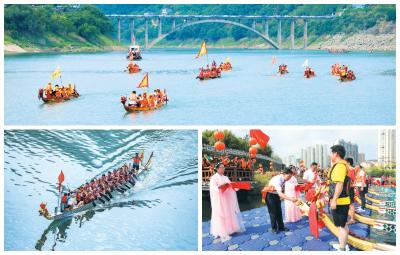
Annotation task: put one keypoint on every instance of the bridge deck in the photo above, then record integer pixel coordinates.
(252, 17)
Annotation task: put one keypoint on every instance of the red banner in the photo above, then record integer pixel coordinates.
(237, 185)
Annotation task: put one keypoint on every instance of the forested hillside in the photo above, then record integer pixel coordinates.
(86, 26)
(56, 26)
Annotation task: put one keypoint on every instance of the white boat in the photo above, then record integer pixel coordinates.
(134, 53)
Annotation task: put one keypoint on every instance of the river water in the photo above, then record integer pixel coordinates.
(159, 213)
(252, 93)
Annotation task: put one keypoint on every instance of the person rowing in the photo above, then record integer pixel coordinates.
(99, 188)
(133, 68)
(283, 69)
(308, 73)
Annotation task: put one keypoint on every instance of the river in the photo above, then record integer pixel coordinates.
(159, 213)
(251, 94)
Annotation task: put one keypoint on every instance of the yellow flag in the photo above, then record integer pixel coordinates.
(228, 60)
(56, 73)
(202, 51)
(145, 82)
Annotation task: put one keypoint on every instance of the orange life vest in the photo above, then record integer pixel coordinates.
(136, 159)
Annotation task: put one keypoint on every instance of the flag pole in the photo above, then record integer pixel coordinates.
(59, 195)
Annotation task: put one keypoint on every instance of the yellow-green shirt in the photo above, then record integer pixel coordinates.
(339, 174)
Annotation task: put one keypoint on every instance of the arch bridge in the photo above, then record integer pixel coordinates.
(179, 22)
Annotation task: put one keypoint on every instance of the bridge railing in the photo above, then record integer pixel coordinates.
(233, 173)
(252, 17)
(240, 153)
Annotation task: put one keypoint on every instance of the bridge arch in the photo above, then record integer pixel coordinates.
(184, 25)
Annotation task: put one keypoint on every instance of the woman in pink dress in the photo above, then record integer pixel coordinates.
(292, 212)
(225, 215)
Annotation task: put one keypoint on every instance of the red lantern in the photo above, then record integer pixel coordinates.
(253, 155)
(219, 146)
(252, 141)
(219, 135)
(253, 150)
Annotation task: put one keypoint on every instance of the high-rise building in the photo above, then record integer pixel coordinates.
(387, 147)
(290, 160)
(351, 150)
(317, 153)
(361, 157)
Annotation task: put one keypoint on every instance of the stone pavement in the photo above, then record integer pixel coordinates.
(258, 236)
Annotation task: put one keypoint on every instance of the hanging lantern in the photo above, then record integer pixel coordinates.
(219, 146)
(219, 135)
(252, 141)
(253, 150)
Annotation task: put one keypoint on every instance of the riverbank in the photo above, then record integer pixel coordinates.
(12, 49)
(340, 42)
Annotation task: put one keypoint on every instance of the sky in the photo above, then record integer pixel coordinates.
(287, 142)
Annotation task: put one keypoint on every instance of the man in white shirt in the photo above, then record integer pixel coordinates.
(311, 175)
(273, 199)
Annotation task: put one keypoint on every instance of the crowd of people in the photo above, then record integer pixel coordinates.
(225, 66)
(133, 67)
(229, 161)
(101, 188)
(343, 179)
(148, 100)
(343, 72)
(309, 72)
(282, 69)
(59, 92)
(210, 73)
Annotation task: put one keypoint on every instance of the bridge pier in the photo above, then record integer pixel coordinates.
(159, 27)
(173, 24)
(146, 33)
(292, 34)
(280, 33)
(119, 30)
(305, 34)
(254, 24)
(133, 39)
(266, 28)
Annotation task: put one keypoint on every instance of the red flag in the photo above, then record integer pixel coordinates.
(262, 139)
(60, 180)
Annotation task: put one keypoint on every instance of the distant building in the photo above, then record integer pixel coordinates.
(361, 157)
(351, 150)
(290, 160)
(387, 147)
(317, 153)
